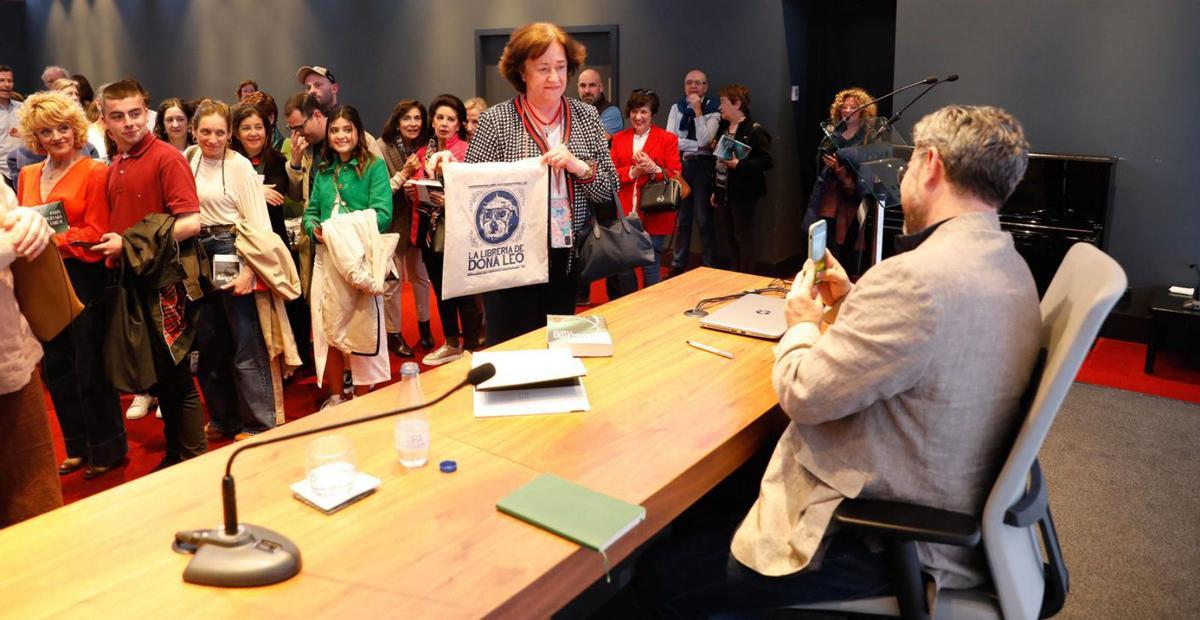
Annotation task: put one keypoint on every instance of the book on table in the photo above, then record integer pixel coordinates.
(535, 381)
(577, 513)
(583, 336)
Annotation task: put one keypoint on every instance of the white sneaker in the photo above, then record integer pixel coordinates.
(140, 406)
(332, 401)
(442, 355)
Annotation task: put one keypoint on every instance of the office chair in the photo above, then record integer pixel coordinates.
(1084, 290)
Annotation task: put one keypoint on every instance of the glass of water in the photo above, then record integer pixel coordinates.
(332, 466)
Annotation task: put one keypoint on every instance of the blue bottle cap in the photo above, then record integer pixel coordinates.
(448, 467)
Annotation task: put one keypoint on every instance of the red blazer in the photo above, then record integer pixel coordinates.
(663, 147)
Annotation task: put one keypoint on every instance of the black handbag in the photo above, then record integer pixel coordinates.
(615, 247)
(659, 196)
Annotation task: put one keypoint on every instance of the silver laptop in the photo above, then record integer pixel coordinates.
(750, 315)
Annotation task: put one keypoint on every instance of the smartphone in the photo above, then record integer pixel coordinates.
(816, 246)
(84, 244)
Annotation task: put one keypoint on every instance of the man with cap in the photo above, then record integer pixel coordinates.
(320, 83)
(306, 114)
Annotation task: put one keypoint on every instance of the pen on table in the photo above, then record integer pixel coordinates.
(713, 350)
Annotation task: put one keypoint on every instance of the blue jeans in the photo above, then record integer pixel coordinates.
(235, 372)
(699, 175)
(690, 572)
(653, 274)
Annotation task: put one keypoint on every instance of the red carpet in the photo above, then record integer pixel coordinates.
(1120, 364)
(301, 398)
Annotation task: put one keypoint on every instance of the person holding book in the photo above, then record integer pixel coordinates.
(86, 404)
(740, 179)
(460, 316)
(234, 368)
(642, 154)
(403, 134)
(568, 135)
(349, 178)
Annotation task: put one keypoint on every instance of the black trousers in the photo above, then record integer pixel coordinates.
(88, 407)
(514, 311)
(452, 312)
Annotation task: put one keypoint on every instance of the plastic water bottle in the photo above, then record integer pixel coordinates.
(412, 429)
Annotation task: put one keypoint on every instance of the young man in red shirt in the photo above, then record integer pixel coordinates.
(149, 176)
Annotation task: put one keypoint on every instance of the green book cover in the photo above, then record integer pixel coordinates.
(55, 215)
(579, 514)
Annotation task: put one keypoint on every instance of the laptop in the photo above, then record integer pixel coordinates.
(750, 315)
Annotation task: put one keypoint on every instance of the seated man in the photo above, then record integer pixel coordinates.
(910, 394)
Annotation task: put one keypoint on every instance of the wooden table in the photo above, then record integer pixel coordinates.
(667, 423)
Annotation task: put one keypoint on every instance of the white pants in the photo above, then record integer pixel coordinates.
(365, 369)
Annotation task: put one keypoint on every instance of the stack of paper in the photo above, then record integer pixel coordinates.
(530, 383)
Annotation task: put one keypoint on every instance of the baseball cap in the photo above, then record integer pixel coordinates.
(319, 70)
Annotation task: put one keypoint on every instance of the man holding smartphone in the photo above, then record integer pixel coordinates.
(908, 394)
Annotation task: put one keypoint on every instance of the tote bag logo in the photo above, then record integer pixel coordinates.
(497, 216)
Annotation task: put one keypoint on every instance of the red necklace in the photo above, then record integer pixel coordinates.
(552, 121)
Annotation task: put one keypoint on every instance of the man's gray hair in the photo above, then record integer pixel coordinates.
(53, 69)
(983, 149)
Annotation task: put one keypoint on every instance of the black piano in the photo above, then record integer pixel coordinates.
(1062, 200)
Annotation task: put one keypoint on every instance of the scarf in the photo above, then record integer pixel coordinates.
(687, 116)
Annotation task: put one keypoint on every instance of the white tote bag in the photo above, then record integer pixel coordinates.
(496, 218)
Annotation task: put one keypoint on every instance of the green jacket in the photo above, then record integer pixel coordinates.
(370, 191)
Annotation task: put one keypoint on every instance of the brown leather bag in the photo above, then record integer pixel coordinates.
(45, 293)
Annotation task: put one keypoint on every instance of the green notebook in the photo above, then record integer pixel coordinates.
(579, 514)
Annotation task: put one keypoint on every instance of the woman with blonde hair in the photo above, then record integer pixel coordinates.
(835, 195)
(234, 368)
(86, 404)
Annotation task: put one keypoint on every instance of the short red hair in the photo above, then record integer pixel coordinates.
(531, 41)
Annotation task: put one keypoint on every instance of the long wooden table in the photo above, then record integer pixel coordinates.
(667, 423)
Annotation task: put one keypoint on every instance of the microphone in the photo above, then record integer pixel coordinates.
(930, 80)
(242, 554)
(891, 122)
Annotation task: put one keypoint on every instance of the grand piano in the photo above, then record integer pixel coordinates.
(1062, 200)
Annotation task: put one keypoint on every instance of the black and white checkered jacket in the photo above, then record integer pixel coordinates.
(503, 136)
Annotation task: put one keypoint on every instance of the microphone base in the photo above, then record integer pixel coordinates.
(256, 556)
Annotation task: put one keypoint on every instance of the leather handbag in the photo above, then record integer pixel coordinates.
(45, 293)
(614, 248)
(660, 196)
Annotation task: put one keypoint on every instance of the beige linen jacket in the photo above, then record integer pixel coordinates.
(911, 395)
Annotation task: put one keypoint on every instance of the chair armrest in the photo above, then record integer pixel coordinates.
(908, 521)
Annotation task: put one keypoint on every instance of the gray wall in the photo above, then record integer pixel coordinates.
(383, 50)
(1097, 77)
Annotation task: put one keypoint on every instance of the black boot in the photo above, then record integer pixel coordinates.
(426, 340)
(397, 345)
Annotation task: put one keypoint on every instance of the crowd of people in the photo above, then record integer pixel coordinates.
(211, 183)
(198, 228)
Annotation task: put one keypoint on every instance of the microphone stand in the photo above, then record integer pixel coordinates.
(891, 121)
(243, 554)
(931, 80)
